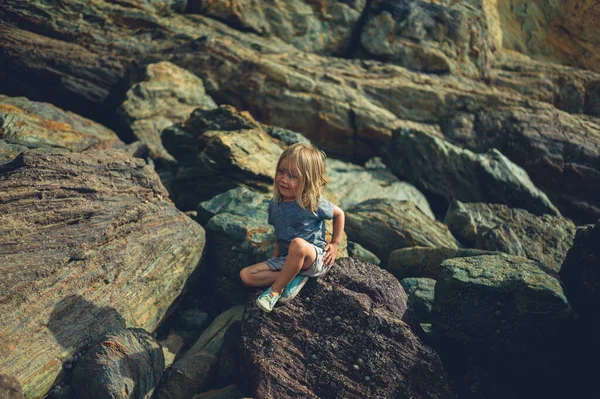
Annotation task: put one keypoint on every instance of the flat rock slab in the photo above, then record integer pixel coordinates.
(88, 241)
(348, 334)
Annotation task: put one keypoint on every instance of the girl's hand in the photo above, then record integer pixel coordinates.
(330, 254)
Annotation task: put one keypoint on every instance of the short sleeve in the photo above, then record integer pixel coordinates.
(325, 209)
(270, 212)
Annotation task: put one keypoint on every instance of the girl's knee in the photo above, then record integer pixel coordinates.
(245, 275)
(299, 246)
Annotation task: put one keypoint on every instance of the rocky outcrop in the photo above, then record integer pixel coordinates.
(494, 227)
(36, 124)
(218, 150)
(425, 262)
(166, 96)
(353, 184)
(460, 174)
(383, 225)
(125, 364)
(433, 37)
(89, 241)
(512, 318)
(348, 333)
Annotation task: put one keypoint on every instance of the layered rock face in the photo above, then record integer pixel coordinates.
(89, 242)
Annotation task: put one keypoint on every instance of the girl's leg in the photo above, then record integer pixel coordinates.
(258, 275)
(301, 255)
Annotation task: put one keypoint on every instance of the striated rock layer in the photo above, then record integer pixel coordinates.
(88, 242)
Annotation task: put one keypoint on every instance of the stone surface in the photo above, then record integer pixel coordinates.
(37, 124)
(197, 367)
(88, 241)
(434, 37)
(167, 96)
(424, 261)
(461, 174)
(171, 347)
(10, 388)
(506, 313)
(228, 392)
(125, 363)
(358, 252)
(383, 225)
(420, 292)
(353, 184)
(225, 148)
(494, 227)
(349, 325)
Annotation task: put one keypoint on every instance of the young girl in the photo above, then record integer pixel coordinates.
(297, 212)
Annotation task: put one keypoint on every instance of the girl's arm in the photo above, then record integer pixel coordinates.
(276, 250)
(338, 230)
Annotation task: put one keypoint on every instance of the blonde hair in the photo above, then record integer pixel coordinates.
(310, 163)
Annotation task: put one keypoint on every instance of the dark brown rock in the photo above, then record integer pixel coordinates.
(348, 334)
(88, 241)
(125, 364)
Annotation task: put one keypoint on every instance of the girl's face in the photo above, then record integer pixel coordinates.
(287, 180)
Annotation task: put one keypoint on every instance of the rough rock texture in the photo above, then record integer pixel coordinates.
(425, 262)
(37, 124)
(166, 96)
(10, 388)
(88, 241)
(342, 328)
(358, 252)
(218, 150)
(324, 27)
(197, 367)
(420, 293)
(506, 311)
(494, 227)
(124, 364)
(462, 174)
(353, 184)
(428, 36)
(239, 236)
(580, 274)
(383, 225)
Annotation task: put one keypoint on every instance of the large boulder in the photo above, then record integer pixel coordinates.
(495, 227)
(87, 240)
(218, 150)
(167, 96)
(124, 364)
(434, 164)
(383, 225)
(348, 334)
(428, 36)
(509, 316)
(36, 124)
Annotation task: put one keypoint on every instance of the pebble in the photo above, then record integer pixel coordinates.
(360, 361)
(307, 299)
(313, 357)
(328, 320)
(367, 378)
(337, 318)
(355, 367)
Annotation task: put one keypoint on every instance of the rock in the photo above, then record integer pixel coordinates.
(171, 347)
(353, 184)
(295, 352)
(581, 278)
(167, 96)
(230, 149)
(420, 293)
(464, 175)
(228, 392)
(324, 28)
(425, 262)
(197, 367)
(358, 252)
(289, 137)
(88, 241)
(36, 124)
(429, 37)
(510, 315)
(10, 388)
(494, 227)
(383, 225)
(126, 363)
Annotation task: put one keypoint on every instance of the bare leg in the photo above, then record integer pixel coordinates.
(301, 255)
(259, 275)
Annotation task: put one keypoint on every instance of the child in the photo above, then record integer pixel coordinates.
(297, 212)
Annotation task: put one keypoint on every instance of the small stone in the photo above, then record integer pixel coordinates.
(307, 299)
(498, 313)
(337, 318)
(367, 378)
(355, 367)
(67, 366)
(313, 357)
(328, 320)
(360, 361)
